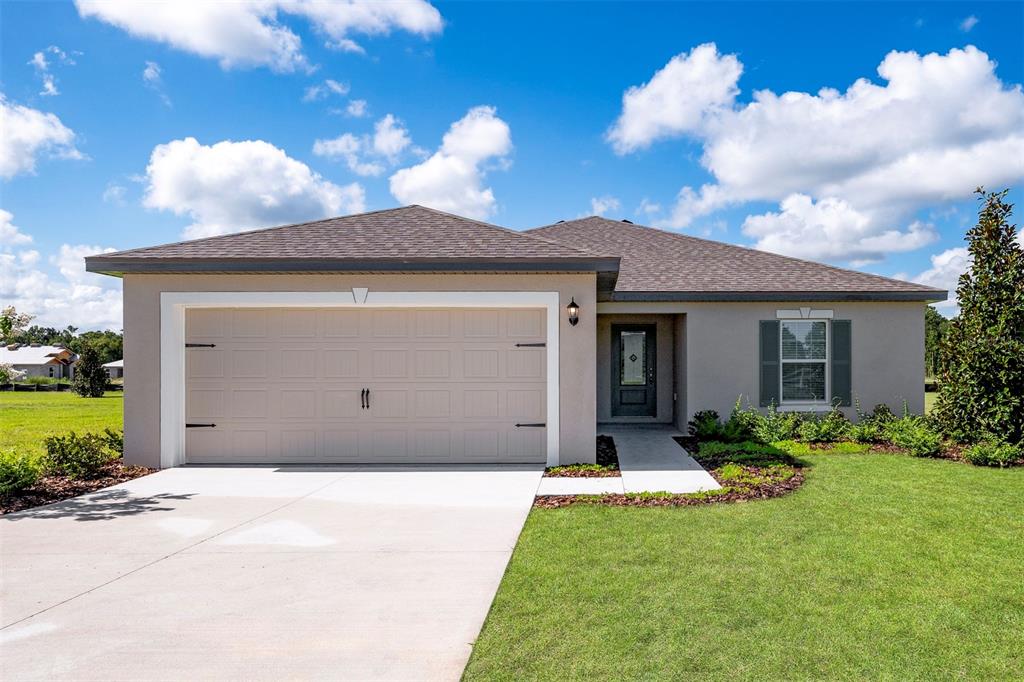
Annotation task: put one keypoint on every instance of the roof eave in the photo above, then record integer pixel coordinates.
(924, 295)
(121, 266)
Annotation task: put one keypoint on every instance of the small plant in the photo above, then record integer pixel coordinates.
(18, 470)
(827, 429)
(797, 448)
(882, 414)
(912, 433)
(115, 440)
(90, 377)
(77, 456)
(705, 425)
(747, 453)
(991, 453)
(775, 426)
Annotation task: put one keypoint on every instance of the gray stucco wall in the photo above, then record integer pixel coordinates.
(721, 352)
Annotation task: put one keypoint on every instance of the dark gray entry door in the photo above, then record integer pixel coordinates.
(634, 393)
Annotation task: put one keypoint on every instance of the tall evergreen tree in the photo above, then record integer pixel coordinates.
(935, 329)
(982, 390)
(90, 377)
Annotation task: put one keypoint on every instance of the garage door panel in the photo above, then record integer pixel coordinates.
(285, 385)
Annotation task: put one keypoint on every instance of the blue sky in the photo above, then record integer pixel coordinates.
(879, 179)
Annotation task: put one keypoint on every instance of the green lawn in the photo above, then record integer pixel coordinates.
(929, 401)
(880, 567)
(27, 418)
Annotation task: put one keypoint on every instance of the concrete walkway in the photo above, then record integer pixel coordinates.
(260, 574)
(652, 462)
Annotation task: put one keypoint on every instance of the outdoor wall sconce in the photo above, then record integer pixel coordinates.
(574, 312)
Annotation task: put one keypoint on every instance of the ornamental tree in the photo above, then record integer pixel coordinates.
(982, 389)
(90, 377)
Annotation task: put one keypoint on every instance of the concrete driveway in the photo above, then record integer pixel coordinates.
(260, 573)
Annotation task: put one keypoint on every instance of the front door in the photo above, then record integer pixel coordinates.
(634, 393)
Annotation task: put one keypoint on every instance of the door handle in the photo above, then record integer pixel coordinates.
(362, 399)
(367, 398)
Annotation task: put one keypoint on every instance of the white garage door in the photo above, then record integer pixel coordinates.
(320, 385)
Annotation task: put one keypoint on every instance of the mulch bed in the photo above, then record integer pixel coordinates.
(50, 489)
(607, 456)
(733, 493)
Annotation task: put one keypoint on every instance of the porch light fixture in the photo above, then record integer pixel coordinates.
(574, 312)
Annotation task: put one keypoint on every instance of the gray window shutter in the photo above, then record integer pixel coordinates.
(841, 370)
(769, 371)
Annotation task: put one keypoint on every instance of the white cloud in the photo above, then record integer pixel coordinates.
(10, 235)
(938, 127)
(251, 33)
(42, 66)
(152, 77)
(329, 87)
(451, 179)
(28, 133)
(232, 186)
(648, 207)
(368, 155)
(75, 297)
(945, 272)
(968, 23)
(356, 108)
(114, 194)
(679, 98)
(603, 205)
(831, 229)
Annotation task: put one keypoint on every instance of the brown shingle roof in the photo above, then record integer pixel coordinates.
(680, 266)
(390, 239)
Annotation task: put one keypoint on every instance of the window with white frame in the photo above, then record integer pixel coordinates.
(804, 360)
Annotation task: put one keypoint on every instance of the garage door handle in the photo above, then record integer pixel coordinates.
(200, 426)
(362, 399)
(367, 398)
(537, 425)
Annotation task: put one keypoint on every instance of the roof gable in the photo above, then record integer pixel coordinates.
(677, 266)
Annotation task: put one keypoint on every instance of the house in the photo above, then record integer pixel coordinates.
(37, 360)
(412, 335)
(115, 369)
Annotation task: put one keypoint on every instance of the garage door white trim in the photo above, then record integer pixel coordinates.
(172, 340)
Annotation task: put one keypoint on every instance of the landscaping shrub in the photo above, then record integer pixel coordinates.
(827, 429)
(991, 453)
(705, 425)
(115, 440)
(981, 387)
(775, 426)
(749, 453)
(77, 456)
(868, 428)
(90, 377)
(912, 433)
(18, 470)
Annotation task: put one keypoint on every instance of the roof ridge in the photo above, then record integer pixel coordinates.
(719, 244)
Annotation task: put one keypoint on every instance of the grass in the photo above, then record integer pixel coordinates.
(28, 417)
(929, 401)
(880, 567)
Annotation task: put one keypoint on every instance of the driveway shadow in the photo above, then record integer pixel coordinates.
(104, 505)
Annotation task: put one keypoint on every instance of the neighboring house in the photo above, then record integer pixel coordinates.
(115, 369)
(37, 360)
(412, 335)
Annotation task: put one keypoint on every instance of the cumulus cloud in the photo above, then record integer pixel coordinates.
(603, 205)
(232, 186)
(679, 99)
(451, 179)
(356, 108)
(945, 272)
(368, 155)
(321, 90)
(831, 229)
(247, 33)
(938, 126)
(29, 133)
(76, 297)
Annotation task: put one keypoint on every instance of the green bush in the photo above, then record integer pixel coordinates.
(830, 428)
(90, 377)
(18, 470)
(990, 453)
(882, 414)
(77, 456)
(775, 426)
(115, 440)
(705, 425)
(912, 433)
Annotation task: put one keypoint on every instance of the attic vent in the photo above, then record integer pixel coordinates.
(560, 221)
(627, 221)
